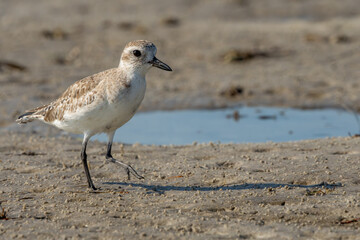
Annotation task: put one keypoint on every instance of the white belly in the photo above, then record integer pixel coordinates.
(105, 115)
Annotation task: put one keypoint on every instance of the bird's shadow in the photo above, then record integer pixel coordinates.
(161, 189)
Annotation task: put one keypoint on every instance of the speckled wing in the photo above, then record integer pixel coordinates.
(80, 94)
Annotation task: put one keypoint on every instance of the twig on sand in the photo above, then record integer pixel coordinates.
(3, 215)
(350, 221)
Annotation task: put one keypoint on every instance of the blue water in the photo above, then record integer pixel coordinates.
(255, 124)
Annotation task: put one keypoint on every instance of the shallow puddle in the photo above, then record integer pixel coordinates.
(237, 125)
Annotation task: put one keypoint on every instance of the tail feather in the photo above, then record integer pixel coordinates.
(25, 114)
(25, 118)
(31, 115)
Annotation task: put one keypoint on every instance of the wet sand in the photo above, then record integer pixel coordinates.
(275, 53)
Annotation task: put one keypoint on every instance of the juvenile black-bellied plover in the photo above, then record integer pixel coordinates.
(103, 102)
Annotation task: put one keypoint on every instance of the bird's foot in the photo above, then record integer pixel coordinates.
(129, 169)
(92, 186)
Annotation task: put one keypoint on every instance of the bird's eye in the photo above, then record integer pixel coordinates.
(137, 53)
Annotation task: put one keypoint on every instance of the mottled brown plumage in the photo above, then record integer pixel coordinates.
(102, 102)
(81, 94)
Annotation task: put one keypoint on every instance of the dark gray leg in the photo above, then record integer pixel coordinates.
(109, 157)
(84, 161)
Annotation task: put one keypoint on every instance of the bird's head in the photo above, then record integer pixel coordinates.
(140, 56)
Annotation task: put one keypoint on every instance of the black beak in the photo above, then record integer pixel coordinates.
(159, 64)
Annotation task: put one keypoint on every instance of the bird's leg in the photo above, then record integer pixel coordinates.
(84, 161)
(110, 158)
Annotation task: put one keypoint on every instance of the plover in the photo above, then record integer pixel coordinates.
(103, 102)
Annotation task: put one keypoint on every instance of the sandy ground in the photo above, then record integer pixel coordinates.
(305, 190)
(301, 54)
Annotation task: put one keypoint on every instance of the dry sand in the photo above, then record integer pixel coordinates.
(277, 53)
(307, 189)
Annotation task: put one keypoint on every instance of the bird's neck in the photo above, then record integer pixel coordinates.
(131, 71)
